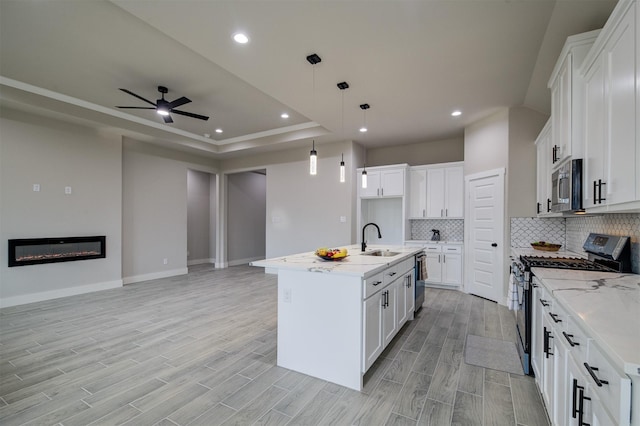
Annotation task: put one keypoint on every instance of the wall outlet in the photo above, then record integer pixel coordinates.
(286, 295)
(67, 190)
(165, 261)
(36, 187)
(343, 219)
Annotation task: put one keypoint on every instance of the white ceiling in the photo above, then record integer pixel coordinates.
(413, 61)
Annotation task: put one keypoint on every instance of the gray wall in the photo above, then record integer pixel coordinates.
(443, 151)
(38, 150)
(198, 217)
(486, 143)
(524, 127)
(246, 224)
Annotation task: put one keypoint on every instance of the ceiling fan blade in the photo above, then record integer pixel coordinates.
(138, 96)
(190, 114)
(130, 107)
(167, 119)
(179, 102)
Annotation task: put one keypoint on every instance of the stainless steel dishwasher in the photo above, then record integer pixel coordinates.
(420, 274)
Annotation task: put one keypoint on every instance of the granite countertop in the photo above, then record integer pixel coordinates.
(355, 263)
(432, 242)
(608, 304)
(530, 251)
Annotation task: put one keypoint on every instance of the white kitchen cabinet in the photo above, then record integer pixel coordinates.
(373, 345)
(543, 171)
(567, 98)
(444, 264)
(445, 191)
(406, 297)
(612, 160)
(389, 313)
(547, 365)
(417, 193)
(537, 332)
(385, 181)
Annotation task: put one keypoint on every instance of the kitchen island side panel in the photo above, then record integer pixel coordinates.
(320, 325)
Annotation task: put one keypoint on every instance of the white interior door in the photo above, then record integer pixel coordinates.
(484, 235)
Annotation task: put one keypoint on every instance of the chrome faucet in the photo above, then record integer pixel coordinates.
(364, 243)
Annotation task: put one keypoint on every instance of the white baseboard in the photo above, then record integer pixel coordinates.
(154, 276)
(56, 294)
(200, 261)
(244, 261)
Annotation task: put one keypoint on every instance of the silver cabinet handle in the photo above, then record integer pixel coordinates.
(424, 212)
(382, 191)
(446, 212)
(444, 258)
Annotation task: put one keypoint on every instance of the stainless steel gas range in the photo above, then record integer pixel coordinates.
(606, 253)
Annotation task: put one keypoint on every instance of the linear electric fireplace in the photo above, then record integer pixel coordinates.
(33, 251)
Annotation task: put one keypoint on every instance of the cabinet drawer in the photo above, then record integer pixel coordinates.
(373, 284)
(613, 388)
(558, 316)
(576, 339)
(545, 300)
(391, 274)
(433, 248)
(451, 249)
(406, 265)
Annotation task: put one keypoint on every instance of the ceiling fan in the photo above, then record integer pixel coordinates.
(164, 107)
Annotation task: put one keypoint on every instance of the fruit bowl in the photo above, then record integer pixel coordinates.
(544, 246)
(331, 254)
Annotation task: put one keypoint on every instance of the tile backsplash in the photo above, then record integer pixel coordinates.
(571, 232)
(450, 229)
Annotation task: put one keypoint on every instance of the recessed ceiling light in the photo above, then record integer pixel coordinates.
(241, 38)
(363, 129)
(218, 130)
(456, 113)
(284, 115)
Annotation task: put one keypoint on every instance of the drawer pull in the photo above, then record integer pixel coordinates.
(377, 283)
(547, 344)
(574, 407)
(544, 302)
(592, 373)
(391, 273)
(555, 317)
(581, 408)
(569, 338)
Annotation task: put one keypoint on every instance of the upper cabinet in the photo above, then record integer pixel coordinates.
(543, 171)
(567, 99)
(385, 181)
(417, 192)
(445, 188)
(612, 104)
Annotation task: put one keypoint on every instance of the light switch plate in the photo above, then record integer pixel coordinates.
(343, 219)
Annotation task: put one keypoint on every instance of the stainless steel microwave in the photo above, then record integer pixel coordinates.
(566, 187)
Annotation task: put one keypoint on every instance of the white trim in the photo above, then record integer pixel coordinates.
(495, 172)
(56, 294)
(244, 261)
(200, 261)
(221, 265)
(154, 276)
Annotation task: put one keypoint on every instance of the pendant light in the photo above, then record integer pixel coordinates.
(313, 155)
(313, 160)
(364, 108)
(364, 177)
(342, 86)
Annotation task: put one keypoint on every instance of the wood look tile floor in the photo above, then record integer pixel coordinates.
(200, 349)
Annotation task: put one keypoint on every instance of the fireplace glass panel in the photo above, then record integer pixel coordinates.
(49, 250)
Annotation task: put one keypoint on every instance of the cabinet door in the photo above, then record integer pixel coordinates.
(435, 193)
(547, 365)
(543, 171)
(454, 192)
(575, 392)
(434, 267)
(389, 313)
(392, 183)
(452, 269)
(410, 294)
(594, 132)
(372, 311)
(621, 114)
(560, 354)
(536, 334)
(406, 298)
(561, 112)
(373, 184)
(418, 193)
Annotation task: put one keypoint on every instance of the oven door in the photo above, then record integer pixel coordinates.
(523, 315)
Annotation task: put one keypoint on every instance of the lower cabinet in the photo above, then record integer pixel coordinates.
(444, 264)
(386, 310)
(579, 385)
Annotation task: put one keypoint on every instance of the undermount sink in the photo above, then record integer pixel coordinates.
(382, 253)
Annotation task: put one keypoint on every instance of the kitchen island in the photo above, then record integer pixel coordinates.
(336, 317)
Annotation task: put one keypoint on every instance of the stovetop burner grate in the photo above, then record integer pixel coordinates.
(574, 263)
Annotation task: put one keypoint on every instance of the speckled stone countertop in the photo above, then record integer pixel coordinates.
(608, 304)
(356, 263)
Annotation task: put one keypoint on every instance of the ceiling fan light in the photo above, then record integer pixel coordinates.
(241, 38)
(363, 129)
(162, 111)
